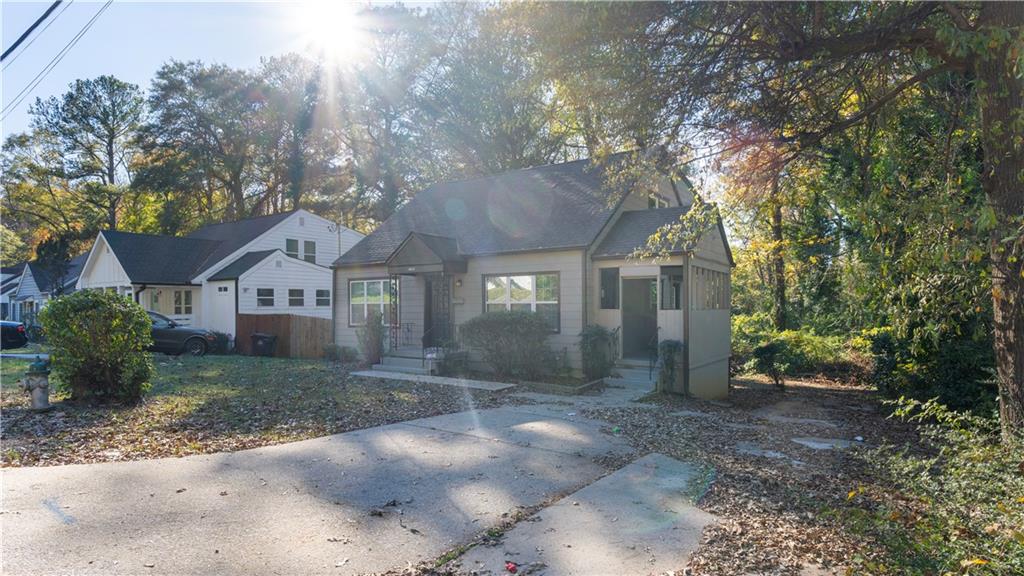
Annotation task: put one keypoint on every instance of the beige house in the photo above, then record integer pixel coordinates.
(555, 240)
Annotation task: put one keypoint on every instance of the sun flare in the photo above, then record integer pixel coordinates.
(334, 29)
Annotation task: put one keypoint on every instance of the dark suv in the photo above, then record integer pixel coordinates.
(12, 335)
(170, 337)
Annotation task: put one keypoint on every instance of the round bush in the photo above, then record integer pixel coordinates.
(98, 343)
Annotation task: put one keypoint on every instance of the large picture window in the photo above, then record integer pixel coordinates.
(365, 296)
(526, 292)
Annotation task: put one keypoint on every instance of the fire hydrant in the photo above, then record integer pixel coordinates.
(37, 384)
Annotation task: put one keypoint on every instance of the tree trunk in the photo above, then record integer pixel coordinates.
(1001, 99)
(778, 264)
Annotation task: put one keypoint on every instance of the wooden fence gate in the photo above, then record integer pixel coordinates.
(297, 336)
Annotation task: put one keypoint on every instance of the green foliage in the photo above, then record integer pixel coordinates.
(596, 349)
(668, 355)
(956, 508)
(513, 343)
(957, 372)
(98, 341)
(770, 359)
(453, 363)
(371, 338)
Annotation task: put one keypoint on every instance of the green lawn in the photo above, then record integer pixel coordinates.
(214, 404)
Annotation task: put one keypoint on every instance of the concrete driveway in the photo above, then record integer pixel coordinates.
(358, 502)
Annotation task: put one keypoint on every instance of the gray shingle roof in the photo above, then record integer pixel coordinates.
(633, 228)
(154, 259)
(234, 235)
(547, 207)
(43, 277)
(241, 265)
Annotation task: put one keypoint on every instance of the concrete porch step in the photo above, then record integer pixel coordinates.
(403, 369)
(389, 360)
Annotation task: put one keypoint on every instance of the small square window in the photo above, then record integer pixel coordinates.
(296, 297)
(323, 297)
(265, 297)
(222, 288)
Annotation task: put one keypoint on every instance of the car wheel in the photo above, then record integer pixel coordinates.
(195, 347)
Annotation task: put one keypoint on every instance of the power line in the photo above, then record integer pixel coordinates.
(53, 63)
(36, 37)
(30, 29)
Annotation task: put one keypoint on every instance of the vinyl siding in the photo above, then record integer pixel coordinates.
(103, 270)
(468, 300)
(281, 273)
(301, 226)
(411, 289)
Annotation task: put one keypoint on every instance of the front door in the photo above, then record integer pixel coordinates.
(435, 311)
(639, 317)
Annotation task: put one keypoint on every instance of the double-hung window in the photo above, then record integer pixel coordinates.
(182, 301)
(296, 297)
(323, 297)
(291, 247)
(309, 251)
(366, 297)
(265, 297)
(526, 292)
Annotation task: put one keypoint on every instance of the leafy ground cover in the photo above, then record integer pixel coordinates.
(779, 507)
(216, 404)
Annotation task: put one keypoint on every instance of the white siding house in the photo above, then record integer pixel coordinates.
(208, 277)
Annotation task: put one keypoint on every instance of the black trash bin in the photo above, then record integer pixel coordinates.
(263, 344)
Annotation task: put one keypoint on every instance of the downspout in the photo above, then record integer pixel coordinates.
(139, 291)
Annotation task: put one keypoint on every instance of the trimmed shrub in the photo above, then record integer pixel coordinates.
(595, 347)
(371, 338)
(513, 343)
(98, 343)
(668, 354)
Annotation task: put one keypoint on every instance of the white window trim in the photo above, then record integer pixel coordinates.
(298, 246)
(273, 298)
(533, 293)
(385, 289)
(184, 307)
(317, 298)
(306, 254)
(301, 297)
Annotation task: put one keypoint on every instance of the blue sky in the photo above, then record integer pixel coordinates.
(133, 38)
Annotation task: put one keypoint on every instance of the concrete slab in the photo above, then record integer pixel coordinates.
(445, 381)
(361, 502)
(638, 520)
(753, 449)
(823, 443)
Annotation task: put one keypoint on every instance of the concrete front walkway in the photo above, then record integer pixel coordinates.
(364, 501)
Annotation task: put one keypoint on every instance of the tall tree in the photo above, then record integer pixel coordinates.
(95, 127)
(787, 73)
